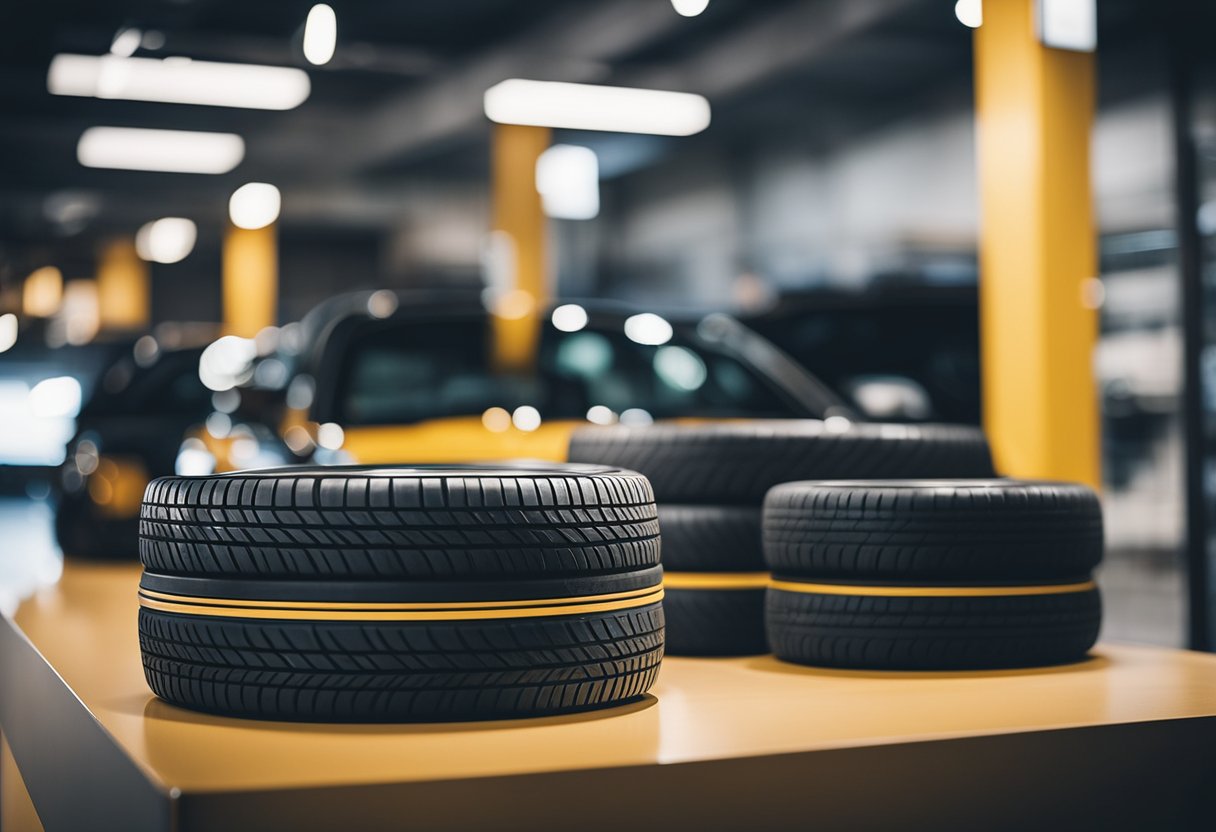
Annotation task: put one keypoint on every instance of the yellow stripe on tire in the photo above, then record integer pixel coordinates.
(322, 611)
(932, 591)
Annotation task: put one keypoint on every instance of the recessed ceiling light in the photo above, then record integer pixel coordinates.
(254, 205)
(970, 13)
(167, 240)
(568, 179)
(690, 8)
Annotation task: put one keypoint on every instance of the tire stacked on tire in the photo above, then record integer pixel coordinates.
(710, 480)
(932, 575)
(401, 594)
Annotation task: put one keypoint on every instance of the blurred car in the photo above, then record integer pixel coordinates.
(897, 352)
(388, 377)
(128, 432)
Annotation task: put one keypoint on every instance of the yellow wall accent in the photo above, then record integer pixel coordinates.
(1034, 112)
(251, 279)
(516, 211)
(123, 287)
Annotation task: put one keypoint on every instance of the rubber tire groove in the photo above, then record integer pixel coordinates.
(931, 633)
(327, 524)
(1037, 532)
(401, 671)
(711, 622)
(711, 538)
(736, 463)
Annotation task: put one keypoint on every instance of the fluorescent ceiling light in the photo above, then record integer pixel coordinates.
(167, 240)
(589, 107)
(178, 151)
(178, 81)
(320, 34)
(568, 179)
(254, 205)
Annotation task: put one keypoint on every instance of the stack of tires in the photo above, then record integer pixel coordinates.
(710, 481)
(401, 594)
(932, 575)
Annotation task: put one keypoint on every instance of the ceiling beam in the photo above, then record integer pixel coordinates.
(577, 44)
(785, 40)
(445, 109)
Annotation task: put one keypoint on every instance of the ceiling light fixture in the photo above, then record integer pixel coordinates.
(568, 179)
(592, 107)
(320, 34)
(254, 205)
(167, 240)
(178, 81)
(175, 151)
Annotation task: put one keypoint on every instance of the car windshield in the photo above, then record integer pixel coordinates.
(410, 371)
(168, 386)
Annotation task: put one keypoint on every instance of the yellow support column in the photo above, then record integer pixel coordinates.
(123, 288)
(517, 213)
(1034, 109)
(251, 279)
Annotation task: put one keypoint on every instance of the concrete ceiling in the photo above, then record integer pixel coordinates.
(396, 117)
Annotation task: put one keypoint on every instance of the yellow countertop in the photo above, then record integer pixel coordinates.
(701, 710)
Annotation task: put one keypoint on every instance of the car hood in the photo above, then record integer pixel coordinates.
(456, 439)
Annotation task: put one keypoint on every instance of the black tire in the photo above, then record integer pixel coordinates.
(932, 633)
(401, 671)
(979, 531)
(439, 522)
(711, 538)
(735, 463)
(715, 622)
